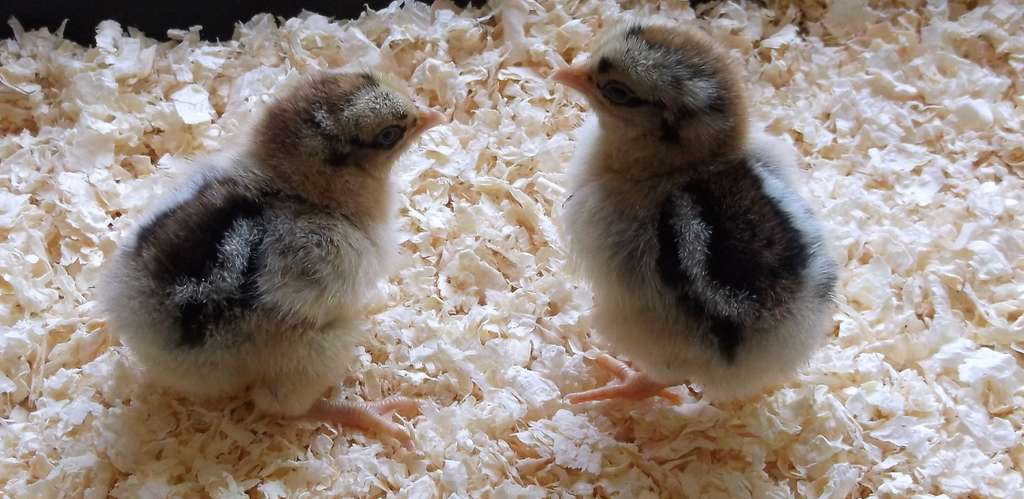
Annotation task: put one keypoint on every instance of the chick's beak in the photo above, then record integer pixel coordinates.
(577, 78)
(429, 118)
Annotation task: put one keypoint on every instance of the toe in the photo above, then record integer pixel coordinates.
(366, 417)
(635, 386)
(402, 405)
(615, 366)
(639, 386)
(603, 393)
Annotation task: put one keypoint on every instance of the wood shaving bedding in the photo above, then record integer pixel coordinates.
(909, 120)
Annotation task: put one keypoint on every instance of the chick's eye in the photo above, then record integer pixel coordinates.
(617, 93)
(389, 136)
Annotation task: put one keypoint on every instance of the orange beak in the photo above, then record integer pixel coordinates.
(429, 118)
(575, 77)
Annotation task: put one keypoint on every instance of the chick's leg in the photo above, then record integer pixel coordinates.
(367, 416)
(632, 385)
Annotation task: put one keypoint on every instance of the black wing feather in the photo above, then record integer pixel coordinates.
(184, 249)
(752, 255)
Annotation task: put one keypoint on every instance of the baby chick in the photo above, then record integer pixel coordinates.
(706, 264)
(253, 274)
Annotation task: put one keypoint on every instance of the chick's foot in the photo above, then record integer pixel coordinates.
(633, 385)
(368, 416)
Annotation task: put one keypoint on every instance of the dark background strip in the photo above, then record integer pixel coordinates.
(154, 18)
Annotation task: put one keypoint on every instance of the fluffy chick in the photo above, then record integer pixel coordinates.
(706, 264)
(252, 275)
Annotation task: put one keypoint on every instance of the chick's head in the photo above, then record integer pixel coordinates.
(334, 125)
(671, 85)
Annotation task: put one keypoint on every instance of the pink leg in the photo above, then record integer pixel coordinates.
(633, 385)
(370, 416)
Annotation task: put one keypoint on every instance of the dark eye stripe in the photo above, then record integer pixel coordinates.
(633, 102)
